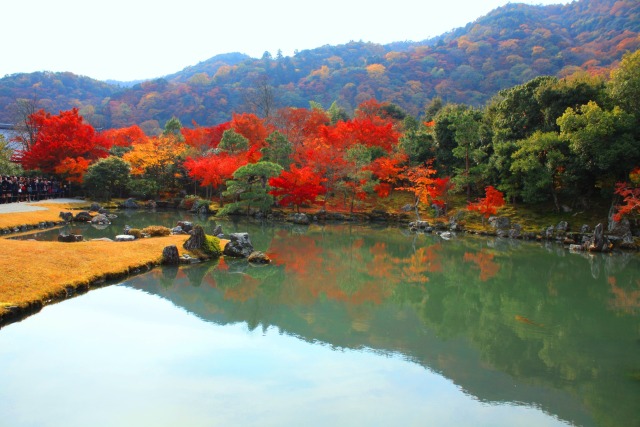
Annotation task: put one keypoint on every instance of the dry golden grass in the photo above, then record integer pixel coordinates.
(51, 214)
(38, 271)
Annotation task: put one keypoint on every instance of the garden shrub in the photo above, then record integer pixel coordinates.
(156, 231)
(135, 232)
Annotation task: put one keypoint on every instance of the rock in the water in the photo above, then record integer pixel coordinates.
(258, 257)
(585, 229)
(218, 231)
(68, 238)
(150, 204)
(515, 232)
(446, 235)
(299, 218)
(177, 230)
(83, 217)
(170, 255)
(100, 219)
(124, 238)
(598, 242)
(453, 224)
(239, 246)
(196, 241)
(94, 207)
(576, 248)
(419, 225)
(185, 225)
(548, 233)
(562, 227)
(66, 216)
(130, 204)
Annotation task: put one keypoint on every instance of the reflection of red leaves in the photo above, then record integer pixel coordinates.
(222, 265)
(484, 261)
(424, 260)
(296, 253)
(627, 301)
(243, 291)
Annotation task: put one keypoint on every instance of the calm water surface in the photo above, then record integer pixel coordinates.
(350, 326)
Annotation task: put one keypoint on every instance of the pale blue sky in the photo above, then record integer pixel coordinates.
(138, 39)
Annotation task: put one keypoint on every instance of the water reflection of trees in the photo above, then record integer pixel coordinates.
(540, 316)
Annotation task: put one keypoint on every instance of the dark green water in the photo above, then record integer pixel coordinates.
(351, 325)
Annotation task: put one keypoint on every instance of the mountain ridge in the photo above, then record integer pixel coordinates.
(510, 45)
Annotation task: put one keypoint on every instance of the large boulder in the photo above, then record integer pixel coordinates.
(69, 238)
(562, 227)
(515, 232)
(83, 217)
(130, 204)
(170, 255)
(100, 219)
(257, 257)
(500, 222)
(599, 242)
(185, 225)
(197, 239)
(66, 216)
(239, 245)
(620, 228)
(299, 218)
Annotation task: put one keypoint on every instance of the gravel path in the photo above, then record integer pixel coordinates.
(33, 206)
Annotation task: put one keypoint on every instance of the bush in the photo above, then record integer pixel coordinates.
(143, 188)
(156, 231)
(135, 232)
(188, 202)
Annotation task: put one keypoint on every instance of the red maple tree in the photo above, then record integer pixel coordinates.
(65, 136)
(630, 193)
(489, 204)
(297, 187)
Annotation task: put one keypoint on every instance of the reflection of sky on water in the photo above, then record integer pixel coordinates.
(120, 357)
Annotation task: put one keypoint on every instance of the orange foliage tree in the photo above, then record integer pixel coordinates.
(157, 158)
(419, 180)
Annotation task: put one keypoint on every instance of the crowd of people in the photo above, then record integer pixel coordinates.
(23, 189)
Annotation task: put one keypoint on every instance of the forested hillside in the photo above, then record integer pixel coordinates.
(509, 46)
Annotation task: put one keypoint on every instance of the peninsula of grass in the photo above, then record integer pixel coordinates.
(36, 273)
(50, 213)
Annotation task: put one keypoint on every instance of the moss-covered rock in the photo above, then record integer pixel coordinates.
(211, 246)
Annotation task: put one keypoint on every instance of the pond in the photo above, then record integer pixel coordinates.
(351, 325)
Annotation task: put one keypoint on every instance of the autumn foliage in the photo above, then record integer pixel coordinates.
(64, 144)
(489, 204)
(630, 194)
(297, 187)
